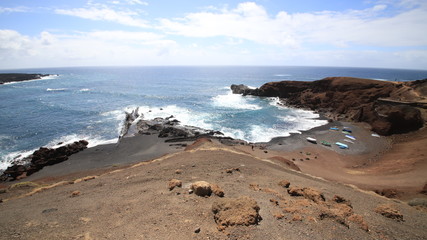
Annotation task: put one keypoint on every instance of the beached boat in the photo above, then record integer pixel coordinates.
(347, 130)
(351, 137)
(312, 140)
(334, 128)
(325, 143)
(341, 145)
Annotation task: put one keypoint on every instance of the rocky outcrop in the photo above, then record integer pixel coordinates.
(242, 211)
(127, 123)
(201, 188)
(389, 107)
(43, 157)
(18, 77)
(170, 128)
(389, 211)
(242, 89)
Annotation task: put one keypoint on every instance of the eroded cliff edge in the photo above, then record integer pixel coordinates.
(389, 107)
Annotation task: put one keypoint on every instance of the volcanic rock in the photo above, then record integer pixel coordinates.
(44, 157)
(388, 107)
(202, 188)
(174, 183)
(242, 211)
(284, 183)
(308, 193)
(217, 190)
(129, 119)
(18, 77)
(389, 211)
(167, 128)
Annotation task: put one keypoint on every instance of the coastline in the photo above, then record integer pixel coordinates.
(134, 201)
(9, 78)
(375, 189)
(349, 166)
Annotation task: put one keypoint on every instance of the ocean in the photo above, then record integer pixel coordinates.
(90, 102)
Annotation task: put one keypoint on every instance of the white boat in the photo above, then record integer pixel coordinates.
(351, 137)
(341, 145)
(312, 140)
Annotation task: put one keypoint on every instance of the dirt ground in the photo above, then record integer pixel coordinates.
(370, 163)
(135, 203)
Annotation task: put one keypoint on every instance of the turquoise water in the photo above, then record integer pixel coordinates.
(89, 103)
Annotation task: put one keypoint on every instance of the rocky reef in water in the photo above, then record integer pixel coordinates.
(19, 77)
(389, 107)
(169, 128)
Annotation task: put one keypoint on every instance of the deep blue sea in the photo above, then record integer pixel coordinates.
(89, 103)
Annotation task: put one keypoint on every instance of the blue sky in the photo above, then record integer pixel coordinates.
(366, 33)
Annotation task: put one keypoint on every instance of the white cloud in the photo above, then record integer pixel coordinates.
(101, 12)
(83, 48)
(137, 2)
(12, 40)
(250, 21)
(130, 2)
(246, 34)
(15, 9)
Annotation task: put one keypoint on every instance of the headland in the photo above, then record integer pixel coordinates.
(19, 77)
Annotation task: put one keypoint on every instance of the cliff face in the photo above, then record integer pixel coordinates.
(389, 107)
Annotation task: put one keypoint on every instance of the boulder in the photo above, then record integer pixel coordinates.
(284, 183)
(15, 171)
(217, 190)
(174, 183)
(201, 188)
(342, 200)
(389, 211)
(242, 89)
(296, 191)
(242, 211)
(337, 212)
(388, 192)
(308, 193)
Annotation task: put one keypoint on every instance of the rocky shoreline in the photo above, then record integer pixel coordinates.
(41, 158)
(389, 107)
(19, 77)
(330, 96)
(168, 129)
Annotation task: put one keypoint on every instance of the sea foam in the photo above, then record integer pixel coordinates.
(234, 101)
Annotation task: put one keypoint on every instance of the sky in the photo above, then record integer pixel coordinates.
(350, 33)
